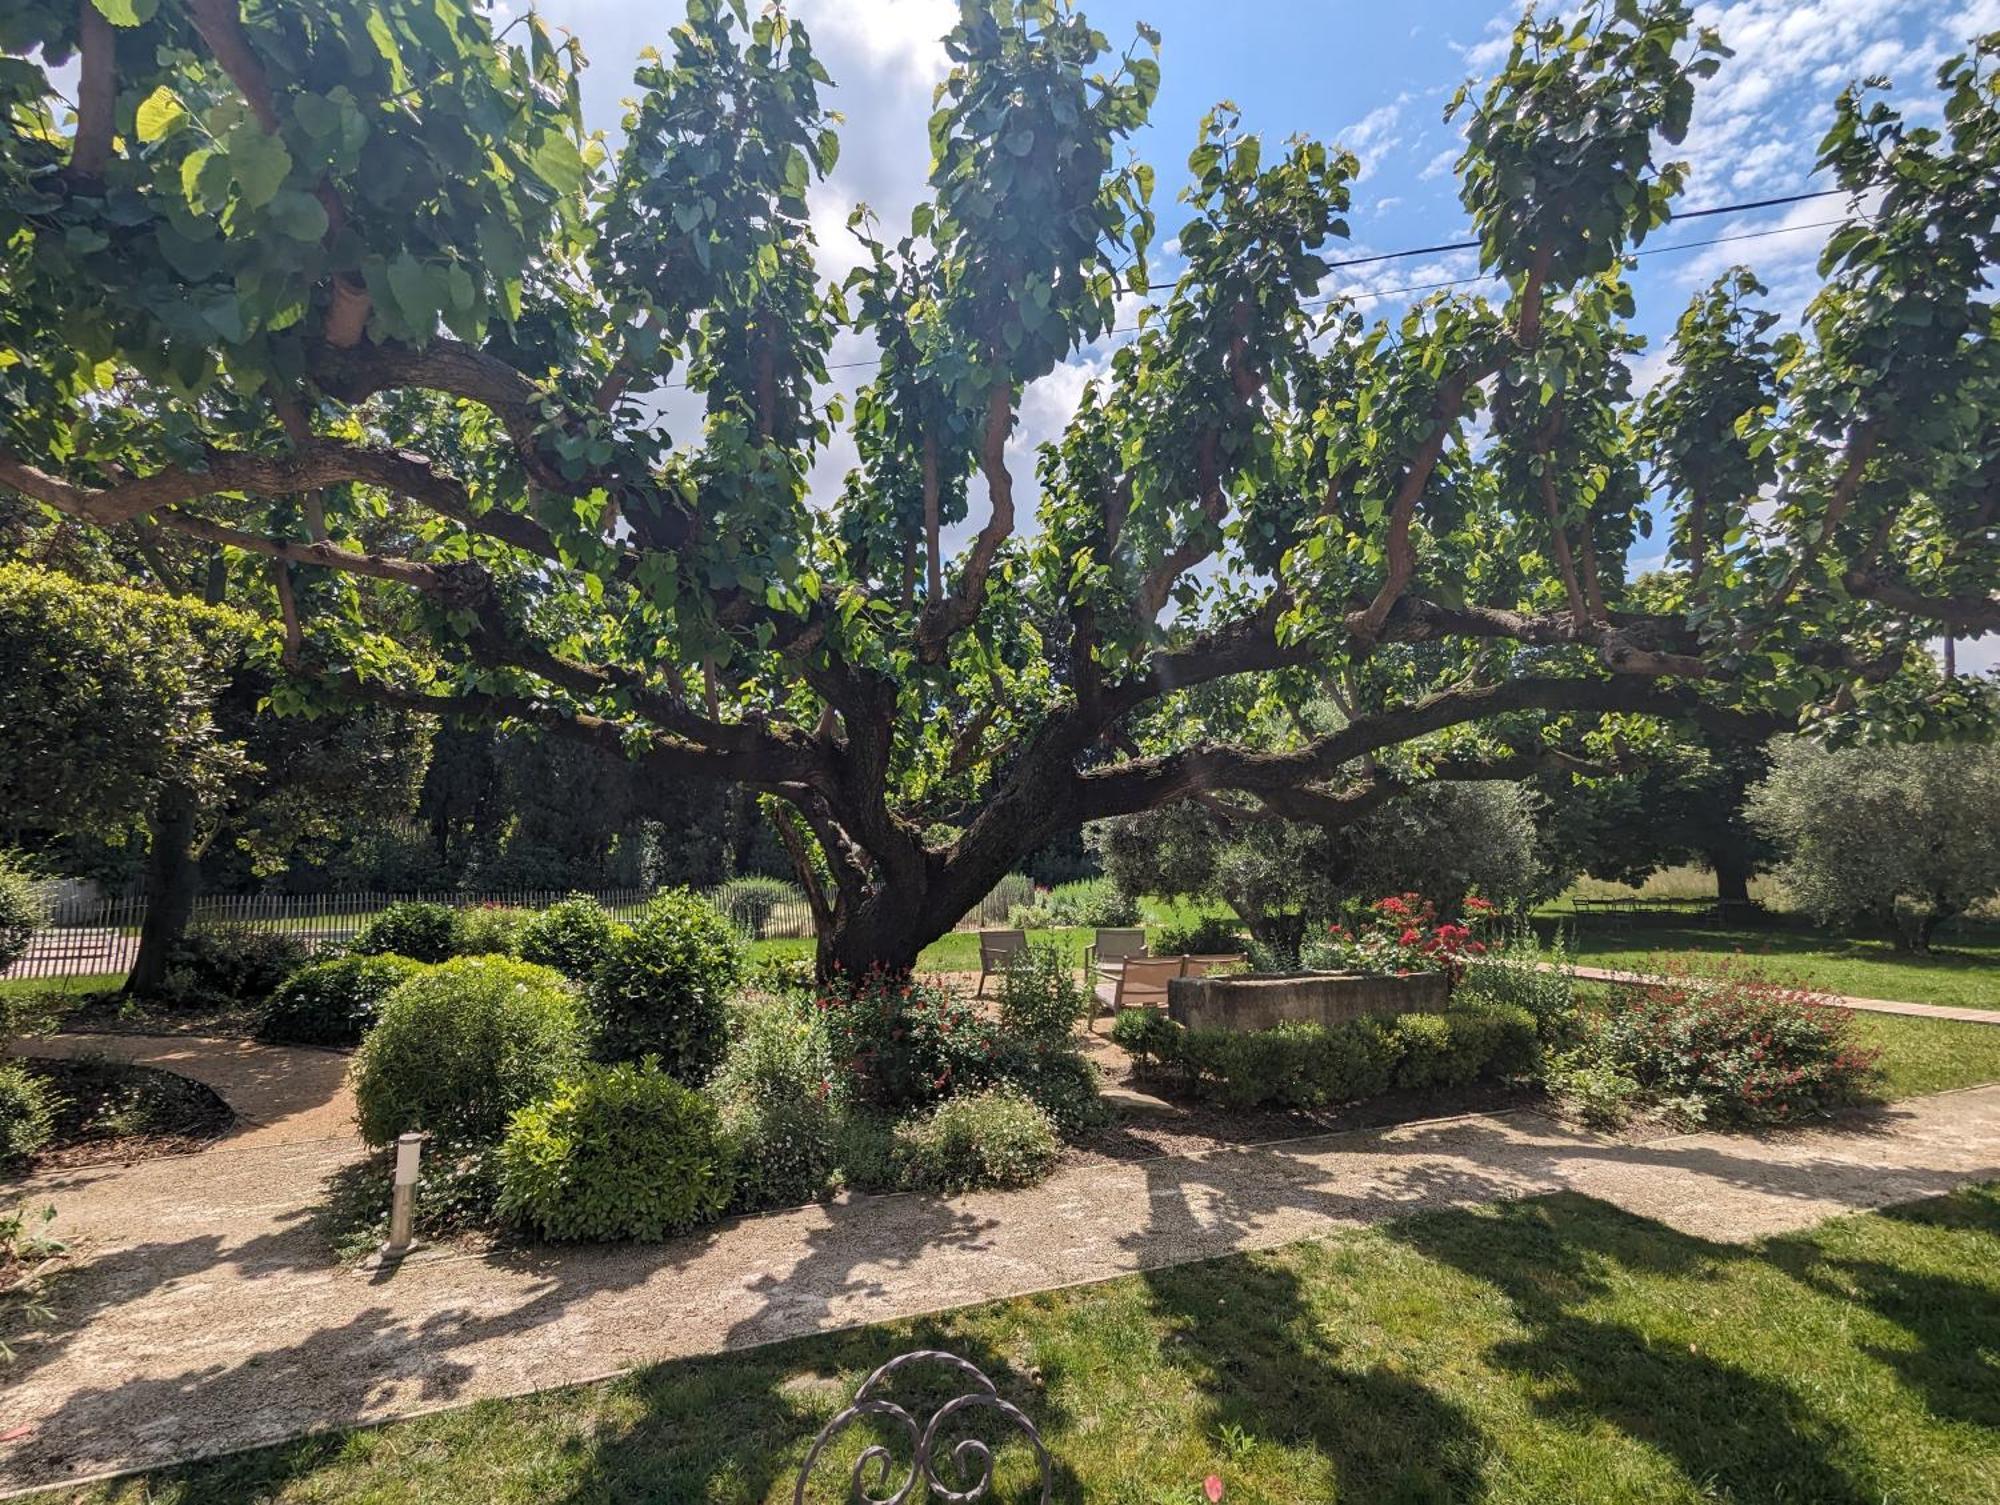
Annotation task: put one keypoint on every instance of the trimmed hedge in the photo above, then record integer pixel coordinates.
(415, 928)
(333, 1002)
(616, 1152)
(663, 987)
(462, 1046)
(1300, 1065)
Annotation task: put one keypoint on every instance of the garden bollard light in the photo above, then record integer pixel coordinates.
(409, 1151)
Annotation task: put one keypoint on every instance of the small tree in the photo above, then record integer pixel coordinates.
(1908, 835)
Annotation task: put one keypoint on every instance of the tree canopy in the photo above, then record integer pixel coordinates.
(348, 290)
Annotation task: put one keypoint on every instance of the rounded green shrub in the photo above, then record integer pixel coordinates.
(571, 935)
(1424, 1053)
(775, 1091)
(27, 1116)
(1041, 997)
(1149, 1037)
(750, 901)
(222, 962)
(1063, 1083)
(491, 930)
(1500, 1039)
(20, 910)
(333, 1002)
(663, 987)
(984, 1139)
(415, 928)
(615, 1152)
(462, 1046)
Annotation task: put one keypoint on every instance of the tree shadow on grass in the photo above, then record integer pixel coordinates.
(1729, 1431)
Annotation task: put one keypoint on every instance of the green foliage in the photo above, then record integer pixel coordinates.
(571, 935)
(1148, 1036)
(1591, 1089)
(979, 1141)
(231, 963)
(1908, 836)
(1518, 971)
(663, 987)
(1093, 904)
(1064, 1083)
(491, 930)
(333, 1002)
(750, 901)
(20, 910)
(776, 1093)
(27, 1116)
(1041, 997)
(901, 1043)
(616, 1152)
(1425, 1053)
(417, 928)
(1210, 935)
(463, 1045)
(89, 748)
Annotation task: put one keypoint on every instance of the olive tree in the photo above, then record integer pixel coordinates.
(346, 289)
(1907, 836)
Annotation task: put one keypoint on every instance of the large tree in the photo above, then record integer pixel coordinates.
(346, 285)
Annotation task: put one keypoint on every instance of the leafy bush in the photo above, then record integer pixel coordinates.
(750, 901)
(986, 1139)
(1519, 972)
(333, 1002)
(20, 910)
(615, 1152)
(1424, 1055)
(415, 928)
(775, 1091)
(1031, 917)
(462, 1046)
(1740, 1051)
(1062, 1082)
(1593, 1091)
(1093, 903)
(902, 1043)
(1041, 997)
(571, 935)
(231, 964)
(1148, 1036)
(1396, 936)
(491, 929)
(27, 1116)
(1503, 1039)
(1211, 935)
(663, 987)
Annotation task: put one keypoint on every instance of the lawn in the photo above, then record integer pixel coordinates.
(1556, 1350)
(1964, 970)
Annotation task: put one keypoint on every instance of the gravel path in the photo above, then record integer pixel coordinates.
(206, 1315)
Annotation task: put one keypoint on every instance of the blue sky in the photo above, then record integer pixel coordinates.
(1374, 78)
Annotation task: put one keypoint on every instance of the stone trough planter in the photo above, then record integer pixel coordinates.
(1252, 1002)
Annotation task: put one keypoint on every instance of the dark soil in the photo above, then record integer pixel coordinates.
(108, 1111)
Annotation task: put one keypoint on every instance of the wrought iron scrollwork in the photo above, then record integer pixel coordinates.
(971, 1466)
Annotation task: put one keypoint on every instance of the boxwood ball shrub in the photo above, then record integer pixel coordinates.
(750, 901)
(415, 928)
(333, 1002)
(615, 1152)
(983, 1139)
(1151, 1039)
(27, 1116)
(20, 911)
(663, 987)
(460, 1047)
(571, 935)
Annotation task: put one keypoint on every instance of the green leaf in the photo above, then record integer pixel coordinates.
(127, 12)
(558, 163)
(412, 290)
(297, 214)
(160, 112)
(259, 163)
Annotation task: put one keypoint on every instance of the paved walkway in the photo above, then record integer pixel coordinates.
(281, 1094)
(206, 1317)
(1866, 1005)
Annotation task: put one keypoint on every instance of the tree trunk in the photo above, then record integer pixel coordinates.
(884, 931)
(172, 880)
(1732, 876)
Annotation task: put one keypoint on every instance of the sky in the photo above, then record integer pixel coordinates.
(1374, 78)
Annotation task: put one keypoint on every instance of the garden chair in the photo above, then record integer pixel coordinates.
(998, 950)
(1201, 966)
(1105, 956)
(1143, 980)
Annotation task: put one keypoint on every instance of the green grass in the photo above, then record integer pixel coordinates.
(1556, 1351)
(1964, 970)
(1930, 1055)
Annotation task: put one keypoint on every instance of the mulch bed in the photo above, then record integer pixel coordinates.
(112, 1113)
